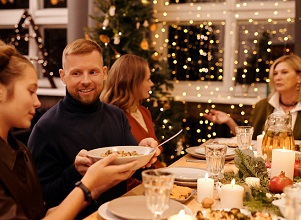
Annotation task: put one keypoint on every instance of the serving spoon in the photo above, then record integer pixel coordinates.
(170, 138)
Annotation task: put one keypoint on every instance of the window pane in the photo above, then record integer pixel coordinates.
(14, 4)
(9, 36)
(195, 52)
(259, 44)
(55, 41)
(263, 0)
(194, 1)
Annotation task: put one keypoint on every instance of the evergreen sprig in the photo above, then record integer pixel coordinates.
(249, 166)
(256, 198)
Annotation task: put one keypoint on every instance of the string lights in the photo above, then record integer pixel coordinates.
(210, 44)
(43, 59)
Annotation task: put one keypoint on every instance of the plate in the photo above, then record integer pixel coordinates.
(201, 150)
(186, 183)
(185, 200)
(191, 151)
(134, 207)
(189, 174)
(106, 214)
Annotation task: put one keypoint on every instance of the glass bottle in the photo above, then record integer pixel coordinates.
(278, 134)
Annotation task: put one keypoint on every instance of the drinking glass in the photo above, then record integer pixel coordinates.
(215, 159)
(292, 202)
(158, 185)
(244, 136)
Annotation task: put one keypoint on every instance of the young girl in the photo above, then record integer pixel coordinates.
(20, 192)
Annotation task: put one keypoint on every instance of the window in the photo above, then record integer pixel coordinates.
(195, 52)
(14, 4)
(239, 71)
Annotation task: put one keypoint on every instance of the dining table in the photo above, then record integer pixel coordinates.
(185, 161)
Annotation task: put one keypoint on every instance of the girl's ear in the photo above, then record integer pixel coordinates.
(1, 92)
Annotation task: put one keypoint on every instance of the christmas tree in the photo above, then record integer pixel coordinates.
(125, 27)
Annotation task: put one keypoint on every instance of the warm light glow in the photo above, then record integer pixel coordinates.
(181, 213)
(233, 182)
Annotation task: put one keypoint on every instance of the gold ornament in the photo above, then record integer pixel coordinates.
(104, 38)
(87, 37)
(153, 27)
(145, 23)
(116, 39)
(112, 10)
(156, 56)
(54, 2)
(166, 106)
(144, 45)
(145, 2)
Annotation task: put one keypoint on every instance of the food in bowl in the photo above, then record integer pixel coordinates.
(144, 154)
(121, 153)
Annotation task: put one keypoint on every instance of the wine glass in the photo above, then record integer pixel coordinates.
(158, 185)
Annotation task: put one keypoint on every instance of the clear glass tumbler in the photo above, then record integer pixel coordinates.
(244, 136)
(292, 202)
(215, 159)
(158, 185)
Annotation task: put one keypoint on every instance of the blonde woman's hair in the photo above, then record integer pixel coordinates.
(293, 61)
(124, 80)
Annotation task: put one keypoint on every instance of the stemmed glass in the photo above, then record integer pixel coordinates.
(158, 185)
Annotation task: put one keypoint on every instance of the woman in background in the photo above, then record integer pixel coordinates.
(20, 191)
(128, 84)
(285, 96)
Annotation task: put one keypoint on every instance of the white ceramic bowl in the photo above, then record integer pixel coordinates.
(146, 153)
(280, 203)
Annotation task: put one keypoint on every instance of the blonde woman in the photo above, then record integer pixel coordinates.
(285, 82)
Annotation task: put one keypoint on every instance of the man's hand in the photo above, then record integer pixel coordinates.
(150, 142)
(82, 162)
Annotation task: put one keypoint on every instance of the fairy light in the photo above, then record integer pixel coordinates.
(195, 48)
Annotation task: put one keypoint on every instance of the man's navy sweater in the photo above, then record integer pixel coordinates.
(62, 132)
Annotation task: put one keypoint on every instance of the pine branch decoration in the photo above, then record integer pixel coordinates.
(249, 165)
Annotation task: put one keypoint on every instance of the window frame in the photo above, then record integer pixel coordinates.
(231, 12)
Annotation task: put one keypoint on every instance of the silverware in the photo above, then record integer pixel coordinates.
(195, 161)
(170, 138)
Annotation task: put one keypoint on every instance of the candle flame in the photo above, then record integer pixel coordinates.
(181, 213)
(232, 182)
(206, 176)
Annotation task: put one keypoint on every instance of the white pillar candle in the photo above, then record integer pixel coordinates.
(205, 188)
(259, 144)
(252, 181)
(283, 160)
(232, 195)
(181, 216)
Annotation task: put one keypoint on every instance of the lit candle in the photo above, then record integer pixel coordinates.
(181, 216)
(259, 144)
(252, 181)
(231, 195)
(205, 188)
(283, 160)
